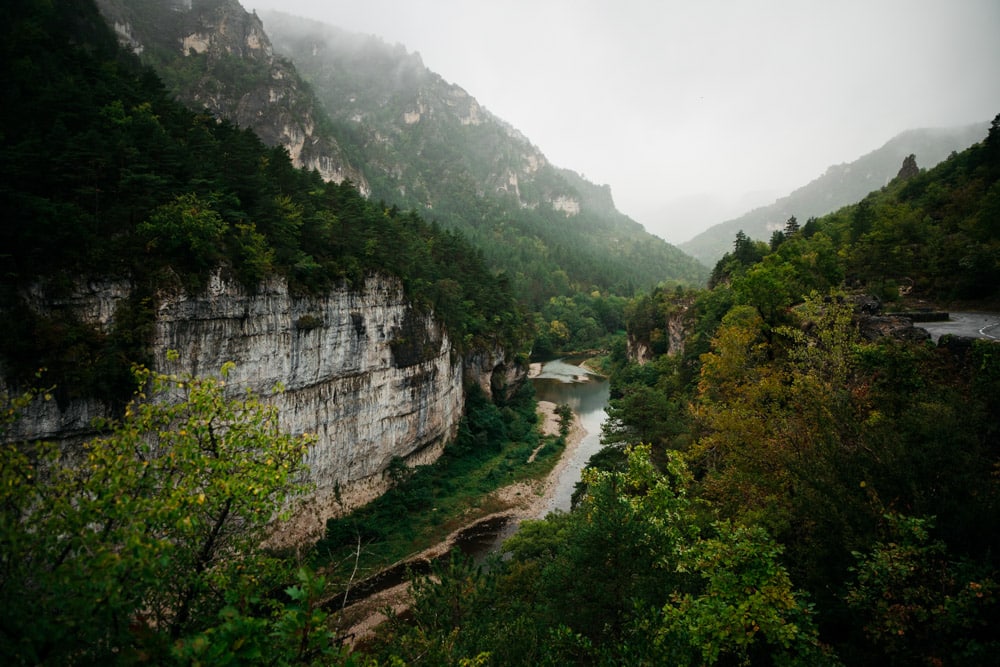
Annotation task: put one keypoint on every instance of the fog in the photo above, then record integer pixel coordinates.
(693, 112)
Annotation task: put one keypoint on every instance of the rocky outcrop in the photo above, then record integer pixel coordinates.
(909, 168)
(495, 372)
(873, 328)
(638, 349)
(873, 324)
(373, 378)
(216, 56)
(669, 334)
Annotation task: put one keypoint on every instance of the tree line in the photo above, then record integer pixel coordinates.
(104, 177)
(787, 488)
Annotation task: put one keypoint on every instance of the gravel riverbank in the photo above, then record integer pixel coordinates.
(523, 500)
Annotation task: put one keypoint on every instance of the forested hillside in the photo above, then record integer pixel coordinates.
(104, 176)
(807, 480)
(426, 144)
(840, 185)
(150, 542)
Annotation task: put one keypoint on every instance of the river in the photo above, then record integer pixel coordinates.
(563, 381)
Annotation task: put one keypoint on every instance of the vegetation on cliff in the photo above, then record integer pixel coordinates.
(145, 545)
(104, 177)
(809, 492)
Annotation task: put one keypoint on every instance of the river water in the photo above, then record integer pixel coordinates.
(564, 381)
(561, 381)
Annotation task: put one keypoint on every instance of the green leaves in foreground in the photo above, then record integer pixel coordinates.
(634, 575)
(137, 542)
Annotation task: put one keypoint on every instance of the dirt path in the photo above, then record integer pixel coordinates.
(523, 500)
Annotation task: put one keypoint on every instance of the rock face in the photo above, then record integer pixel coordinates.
(873, 324)
(216, 56)
(365, 372)
(669, 335)
(418, 131)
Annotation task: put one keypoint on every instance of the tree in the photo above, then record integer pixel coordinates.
(140, 539)
(770, 287)
(746, 612)
(919, 604)
(632, 576)
(187, 233)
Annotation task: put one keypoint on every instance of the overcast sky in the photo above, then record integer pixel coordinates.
(711, 104)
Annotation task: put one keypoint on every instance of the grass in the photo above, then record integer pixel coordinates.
(427, 503)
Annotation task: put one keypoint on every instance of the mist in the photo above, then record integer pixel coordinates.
(722, 103)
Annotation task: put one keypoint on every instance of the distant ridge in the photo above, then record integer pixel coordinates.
(356, 108)
(425, 143)
(839, 186)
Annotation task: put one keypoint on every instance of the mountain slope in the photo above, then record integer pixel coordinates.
(841, 185)
(105, 178)
(427, 144)
(374, 115)
(213, 55)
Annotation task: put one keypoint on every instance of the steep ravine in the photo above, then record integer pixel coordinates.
(373, 378)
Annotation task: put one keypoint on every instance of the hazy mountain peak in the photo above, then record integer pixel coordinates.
(840, 185)
(215, 55)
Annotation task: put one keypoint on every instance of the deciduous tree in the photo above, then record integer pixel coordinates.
(140, 537)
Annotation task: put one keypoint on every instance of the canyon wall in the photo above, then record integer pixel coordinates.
(369, 375)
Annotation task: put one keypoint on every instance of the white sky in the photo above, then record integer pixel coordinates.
(720, 105)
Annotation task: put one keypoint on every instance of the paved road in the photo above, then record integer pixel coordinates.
(976, 325)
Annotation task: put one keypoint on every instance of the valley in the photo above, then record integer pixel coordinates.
(282, 311)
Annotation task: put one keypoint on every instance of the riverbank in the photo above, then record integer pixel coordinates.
(517, 502)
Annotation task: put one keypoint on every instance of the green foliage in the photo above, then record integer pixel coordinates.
(149, 536)
(297, 633)
(805, 429)
(581, 322)
(918, 605)
(492, 448)
(747, 612)
(186, 233)
(633, 576)
(746, 252)
(105, 178)
(643, 405)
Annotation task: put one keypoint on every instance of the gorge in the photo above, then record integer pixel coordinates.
(361, 369)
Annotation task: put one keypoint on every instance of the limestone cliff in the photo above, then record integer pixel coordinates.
(663, 333)
(370, 376)
(215, 55)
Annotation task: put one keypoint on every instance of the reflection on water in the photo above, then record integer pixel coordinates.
(563, 381)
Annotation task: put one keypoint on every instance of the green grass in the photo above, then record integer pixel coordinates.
(427, 503)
